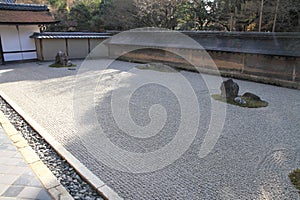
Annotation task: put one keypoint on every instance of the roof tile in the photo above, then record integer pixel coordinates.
(71, 35)
(25, 17)
(18, 6)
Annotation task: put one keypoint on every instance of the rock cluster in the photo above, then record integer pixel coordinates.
(61, 58)
(230, 90)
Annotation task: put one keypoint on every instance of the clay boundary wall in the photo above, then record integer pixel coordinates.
(272, 58)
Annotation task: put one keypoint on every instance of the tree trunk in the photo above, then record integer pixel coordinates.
(275, 16)
(260, 16)
(231, 22)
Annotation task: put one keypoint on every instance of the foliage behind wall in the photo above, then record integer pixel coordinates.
(222, 15)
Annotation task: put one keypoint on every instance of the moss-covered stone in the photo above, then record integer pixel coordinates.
(250, 103)
(295, 178)
(54, 65)
(157, 67)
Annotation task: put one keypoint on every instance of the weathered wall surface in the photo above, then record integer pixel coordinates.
(263, 57)
(77, 45)
(47, 48)
(278, 70)
(75, 48)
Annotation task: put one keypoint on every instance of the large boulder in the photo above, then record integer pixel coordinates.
(229, 89)
(61, 58)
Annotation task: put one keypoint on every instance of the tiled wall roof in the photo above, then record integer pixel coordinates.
(70, 35)
(24, 7)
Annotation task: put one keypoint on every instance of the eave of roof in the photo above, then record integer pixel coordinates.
(28, 23)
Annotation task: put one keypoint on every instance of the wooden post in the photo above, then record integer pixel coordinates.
(1, 52)
(41, 49)
(89, 45)
(67, 46)
(261, 13)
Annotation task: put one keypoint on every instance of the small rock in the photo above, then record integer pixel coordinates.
(69, 63)
(251, 96)
(239, 100)
(82, 191)
(70, 179)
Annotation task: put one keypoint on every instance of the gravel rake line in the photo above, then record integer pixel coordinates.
(65, 173)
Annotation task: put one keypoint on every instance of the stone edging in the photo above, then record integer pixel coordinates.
(49, 180)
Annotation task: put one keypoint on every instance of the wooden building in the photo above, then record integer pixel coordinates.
(17, 23)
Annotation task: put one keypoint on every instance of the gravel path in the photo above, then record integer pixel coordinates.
(251, 159)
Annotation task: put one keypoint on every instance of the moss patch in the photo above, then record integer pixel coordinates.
(157, 67)
(54, 65)
(295, 178)
(249, 102)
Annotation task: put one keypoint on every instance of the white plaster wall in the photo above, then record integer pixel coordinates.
(52, 46)
(17, 39)
(77, 48)
(96, 52)
(28, 43)
(10, 42)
